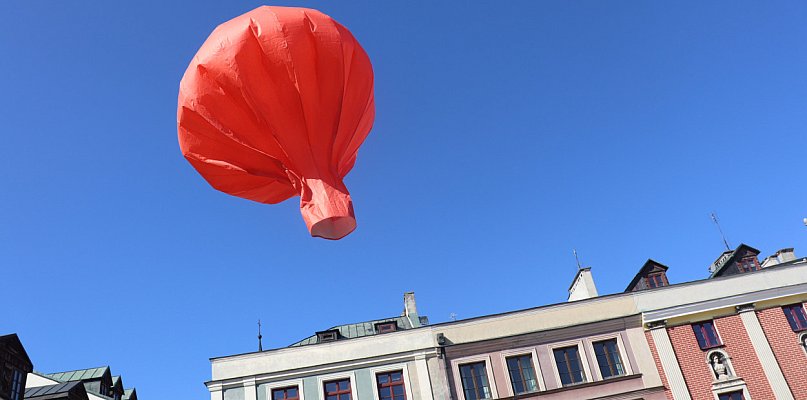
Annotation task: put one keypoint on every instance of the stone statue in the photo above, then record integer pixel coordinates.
(720, 369)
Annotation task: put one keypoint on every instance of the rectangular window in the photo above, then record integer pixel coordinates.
(608, 358)
(706, 334)
(655, 280)
(570, 367)
(796, 317)
(475, 381)
(338, 390)
(287, 393)
(522, 374)
(748, 265)
(391, 386)
(731, 396)
(17, 385)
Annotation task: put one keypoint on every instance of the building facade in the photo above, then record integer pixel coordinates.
(738, 334)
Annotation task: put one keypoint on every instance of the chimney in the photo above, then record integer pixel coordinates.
(411, 309)
(781, 256)
(583, 285)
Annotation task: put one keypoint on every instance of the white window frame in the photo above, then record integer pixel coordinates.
(620, 347)
(269, 385)
(392, 368)
(717, 332)
(455, 368)
(535, 365)
(350, 375)
(583, 359)
(740, 385)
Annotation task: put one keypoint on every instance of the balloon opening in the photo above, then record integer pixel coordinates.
(333, 228)
(327, 209)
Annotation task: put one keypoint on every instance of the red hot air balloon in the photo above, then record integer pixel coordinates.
(275, 104)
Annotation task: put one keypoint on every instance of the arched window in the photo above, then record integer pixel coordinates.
(719, 364)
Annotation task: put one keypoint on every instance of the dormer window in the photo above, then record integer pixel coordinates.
(656, 279)
(386, 327)
(327, 336)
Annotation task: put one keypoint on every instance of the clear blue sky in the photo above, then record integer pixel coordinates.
(507, 134)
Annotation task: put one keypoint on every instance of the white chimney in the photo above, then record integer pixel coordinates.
(781, 256)
(411, 310)
(583, 285)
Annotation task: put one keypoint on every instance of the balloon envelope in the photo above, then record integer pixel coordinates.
(275, 104)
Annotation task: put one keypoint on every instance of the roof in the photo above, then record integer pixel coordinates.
(127, 393)
(649, 265)
(361, 329)
(58, 391)
(79, 375)
(722, 262)
(14, 340)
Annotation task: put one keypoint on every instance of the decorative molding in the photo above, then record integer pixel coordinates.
(657, 324)
(731, 385)
(675, 378)
(745, 308)
(765, 354)
(539, 378)
(455, 368)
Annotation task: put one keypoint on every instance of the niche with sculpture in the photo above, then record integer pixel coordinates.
(720, 365)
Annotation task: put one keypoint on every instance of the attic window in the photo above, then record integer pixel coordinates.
(327, 336)
(386, 327)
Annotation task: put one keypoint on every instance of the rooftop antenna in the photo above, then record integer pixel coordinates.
(260, 337)
(722, 235)
(577, 259)
(453, 316)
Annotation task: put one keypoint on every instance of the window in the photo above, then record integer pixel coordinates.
(706, 334)
(287, 393)
(17, 385)
(738, 395)
(796, 317)
(474, 378)
(104, 389)
(391, 386)
(608, 358)
(522, 374)
(655, 280)
(385, 327)
(327, 336)
(748, 264)
(338, 390)
(569, 365)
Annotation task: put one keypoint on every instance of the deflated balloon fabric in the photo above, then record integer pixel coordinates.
(275, 104)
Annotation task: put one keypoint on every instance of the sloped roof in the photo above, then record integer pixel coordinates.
(80, 374)
(360, 329)
(14, 341)
(58, 391)
(648, 266)
(129, 394)
(722, 262)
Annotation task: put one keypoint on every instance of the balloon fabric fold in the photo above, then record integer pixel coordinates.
(275, 104)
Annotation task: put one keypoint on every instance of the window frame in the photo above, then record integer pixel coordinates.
(392, 368)
(581, 350)
(349, 375)
(273, 390)
(17, 385)
(717, 333)
(660, 275)
(504, 355)
(455, 369)
(739, 387)
(623, 354)
(272, 385)
(804, 312)
(379, 331)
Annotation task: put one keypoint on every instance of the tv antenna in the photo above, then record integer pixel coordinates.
(260, 337)
(453, 316)
(722, 235)
(577, 259)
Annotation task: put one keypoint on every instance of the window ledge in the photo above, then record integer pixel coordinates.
(574, 387)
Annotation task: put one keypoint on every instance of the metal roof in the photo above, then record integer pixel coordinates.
(127, 393)
(52, 390)
(79, 375)
(350, 331)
